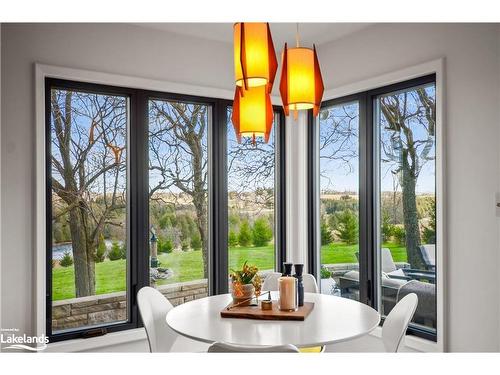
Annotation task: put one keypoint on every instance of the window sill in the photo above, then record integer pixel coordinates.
(110, 339)
(413, 342)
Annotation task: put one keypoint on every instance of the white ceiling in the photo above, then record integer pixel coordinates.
(317, 33)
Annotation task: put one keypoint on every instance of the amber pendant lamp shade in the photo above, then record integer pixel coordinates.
(255, 62)
(252, 113)
(301, 85)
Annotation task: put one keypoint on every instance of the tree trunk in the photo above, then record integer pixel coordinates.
(412, 232)
(201, 222)
(82, 254)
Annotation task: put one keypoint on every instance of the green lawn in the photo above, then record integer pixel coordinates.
(111, 275)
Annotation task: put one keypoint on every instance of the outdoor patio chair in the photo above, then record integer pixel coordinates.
(426, 310)
(429, 256)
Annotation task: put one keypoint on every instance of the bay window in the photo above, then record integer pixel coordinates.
(137, 187)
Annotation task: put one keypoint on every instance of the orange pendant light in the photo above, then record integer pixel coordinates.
(301, 85)
(255, 62)
(252, 113)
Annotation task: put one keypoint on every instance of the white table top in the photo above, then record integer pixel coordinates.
(333, 319)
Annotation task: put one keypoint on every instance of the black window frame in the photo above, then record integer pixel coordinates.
(138, 205)
(368, 199)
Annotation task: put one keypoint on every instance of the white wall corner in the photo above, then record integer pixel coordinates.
(296, 188)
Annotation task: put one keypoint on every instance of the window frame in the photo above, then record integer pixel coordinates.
(138, 197)
(368, 195)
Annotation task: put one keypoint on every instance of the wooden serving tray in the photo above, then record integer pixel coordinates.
(255, 312)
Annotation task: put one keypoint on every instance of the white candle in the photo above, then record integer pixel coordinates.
(288, 293)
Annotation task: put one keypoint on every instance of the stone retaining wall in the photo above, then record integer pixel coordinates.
(111, 307)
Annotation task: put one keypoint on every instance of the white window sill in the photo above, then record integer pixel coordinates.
(110, 339)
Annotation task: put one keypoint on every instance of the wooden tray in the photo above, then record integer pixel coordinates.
(255, 312)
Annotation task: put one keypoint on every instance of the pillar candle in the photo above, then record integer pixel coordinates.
(288, 293)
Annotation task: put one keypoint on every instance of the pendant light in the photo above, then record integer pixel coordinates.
(252, 113)
(255, 62)
(301, 85)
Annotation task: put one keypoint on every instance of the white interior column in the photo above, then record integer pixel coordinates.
(296, 188)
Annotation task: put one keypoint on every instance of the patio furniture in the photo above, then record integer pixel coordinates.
(222, 347)
(426, 310)
(429, 256)
(393, 329)
(389, 268)
(349, 288)
(153, 306)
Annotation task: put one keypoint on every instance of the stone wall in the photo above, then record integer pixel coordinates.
(105, 308)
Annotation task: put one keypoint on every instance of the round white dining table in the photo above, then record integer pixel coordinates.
(333, 319)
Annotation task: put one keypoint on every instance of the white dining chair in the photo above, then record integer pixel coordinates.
(222, 347)
(271, 283)
(153, 307)
(393, 330)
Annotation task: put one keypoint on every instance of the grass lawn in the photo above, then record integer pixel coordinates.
(111, 275)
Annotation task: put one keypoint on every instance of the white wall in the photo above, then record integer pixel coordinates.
(473, 95)
(472, 138)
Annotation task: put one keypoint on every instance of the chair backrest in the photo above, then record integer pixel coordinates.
(271, 282)
(222, 347)
(310, 285)
(388, 264)
(397, 321)
(429, 255)
(154, 307)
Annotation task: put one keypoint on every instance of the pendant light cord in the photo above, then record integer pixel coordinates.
(297, 34)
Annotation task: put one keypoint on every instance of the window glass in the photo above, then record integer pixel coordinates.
(406, 123)
(251, 200)
(178, 206)
(339, 199)
(88, 213)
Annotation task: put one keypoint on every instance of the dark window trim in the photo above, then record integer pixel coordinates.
(367, 192)
(138, 187)
(134, 217)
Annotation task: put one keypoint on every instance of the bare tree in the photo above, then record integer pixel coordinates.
(338, 138)
(408, 121)
(88, 171)
(178, 157)
(250, 166)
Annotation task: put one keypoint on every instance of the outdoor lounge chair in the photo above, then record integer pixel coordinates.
(429, 256)
(426, 293)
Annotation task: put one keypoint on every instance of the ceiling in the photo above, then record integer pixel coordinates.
(318, 33)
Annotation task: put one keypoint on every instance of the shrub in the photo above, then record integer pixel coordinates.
(261, 232)
(232, 239)
(196, 241)
(66, 260)
(324, 273)
(387, 229)
(348, 227)
(165, 245)
(399, 235)
(326, 235)
(245, 235)
(116, 251)
(100, 252)
(429, 232)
